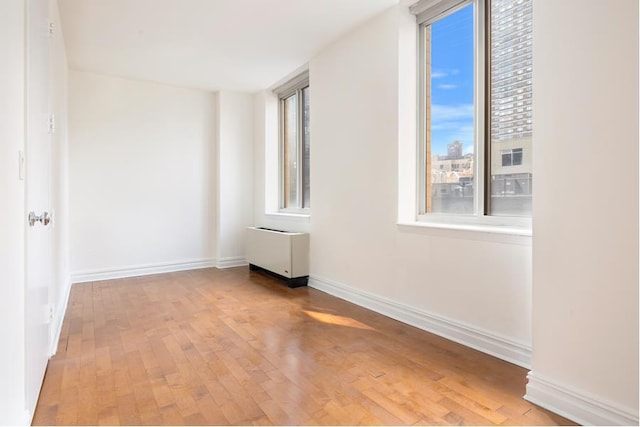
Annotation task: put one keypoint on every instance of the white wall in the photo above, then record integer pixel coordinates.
(585, 211)
(471, 286)
(235, 175)
(354, 172)
(12, 224)
(142, 176)
(355, 241)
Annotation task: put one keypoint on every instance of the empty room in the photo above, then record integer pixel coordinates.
(319, 212)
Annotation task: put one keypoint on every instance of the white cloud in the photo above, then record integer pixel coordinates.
(444, 113)
(437, 74)
(447, 86)
(456, 131)
(463, 133)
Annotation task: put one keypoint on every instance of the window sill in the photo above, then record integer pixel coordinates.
(288, 216)
(501, 233)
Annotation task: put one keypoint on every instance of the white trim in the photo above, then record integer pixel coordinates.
(488, 234)
(289, 87)
(300, 212)
(27, 417)
(232, 261)
(578, 406)
(58, 319)
(288, 216)
(429, 10)
(139, 270)
(465, 334)
(493, 224)
(304, 68)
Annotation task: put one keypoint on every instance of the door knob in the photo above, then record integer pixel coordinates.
(45, 219)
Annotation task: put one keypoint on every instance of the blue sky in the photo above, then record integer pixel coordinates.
(452, 81)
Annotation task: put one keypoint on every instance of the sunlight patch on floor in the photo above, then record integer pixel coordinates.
(334, 319)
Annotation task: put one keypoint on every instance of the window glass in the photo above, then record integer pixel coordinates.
(295, 145)
(306, 149)
(517, 156)
(506, 158)
(290, 151)
(449, 110)
(511, 107)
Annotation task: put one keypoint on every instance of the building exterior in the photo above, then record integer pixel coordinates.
(511, 97)
(449, 169)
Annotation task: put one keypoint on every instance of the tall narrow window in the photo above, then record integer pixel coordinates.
(306, 149)
(449, 113)
(295, 140)
(476, 116)
(290, 161)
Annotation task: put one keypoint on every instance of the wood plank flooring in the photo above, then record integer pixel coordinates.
(233, 347)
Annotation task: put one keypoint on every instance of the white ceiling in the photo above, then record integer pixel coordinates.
(244, 45)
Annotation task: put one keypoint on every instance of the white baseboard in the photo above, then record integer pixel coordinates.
(139, 270)
(485, 341)
(233, 261)
(575, 405)
(27, 418)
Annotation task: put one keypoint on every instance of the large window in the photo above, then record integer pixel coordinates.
(475, 108)
(294, 145)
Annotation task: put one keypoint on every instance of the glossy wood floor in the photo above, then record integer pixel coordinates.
(236, 347)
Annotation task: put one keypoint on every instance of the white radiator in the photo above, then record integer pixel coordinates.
(283, 253)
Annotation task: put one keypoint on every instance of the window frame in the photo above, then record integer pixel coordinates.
(428, 13)
(295, 86)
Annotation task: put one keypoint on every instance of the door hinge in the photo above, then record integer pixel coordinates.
(52, 123)
(21, 164)
(48, 313)
(51, 29)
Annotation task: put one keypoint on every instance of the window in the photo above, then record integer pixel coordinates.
(475, 108)
(294, 145)
(511, 157)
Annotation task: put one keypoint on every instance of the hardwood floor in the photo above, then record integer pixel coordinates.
(236, 347)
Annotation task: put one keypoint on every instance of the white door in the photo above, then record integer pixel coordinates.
(38, 250)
